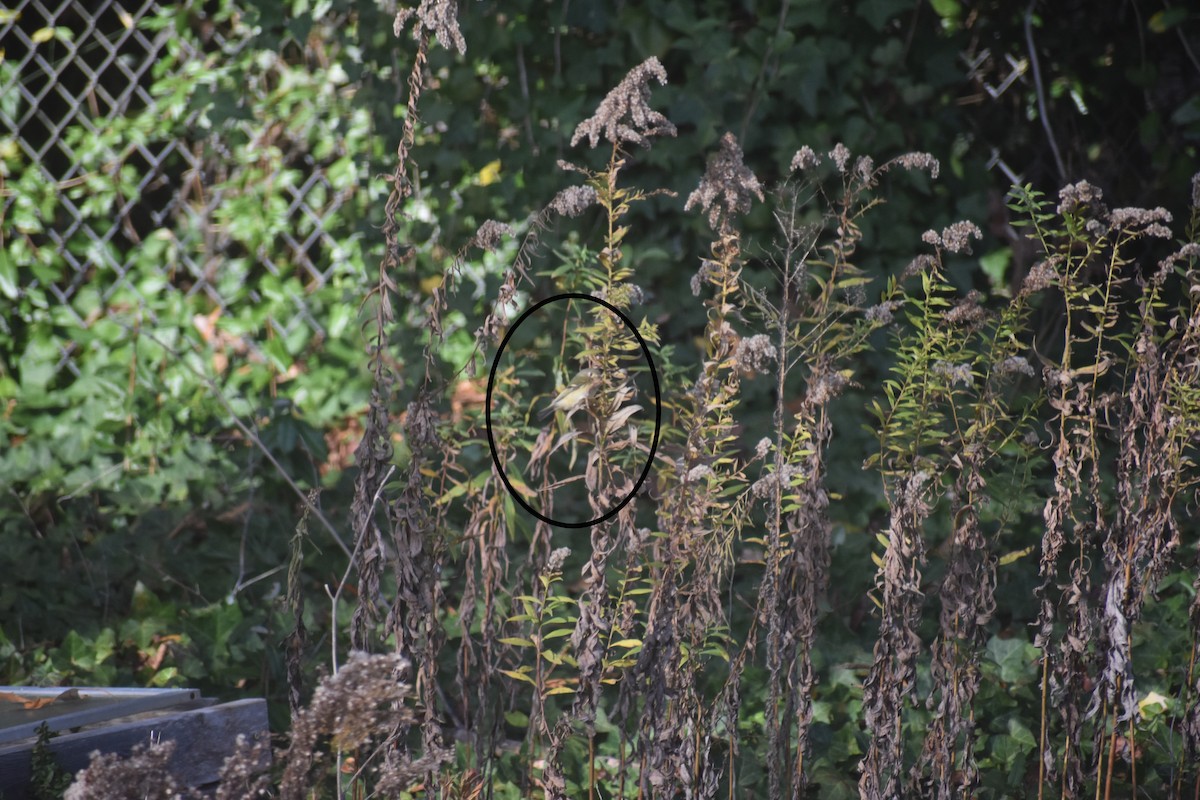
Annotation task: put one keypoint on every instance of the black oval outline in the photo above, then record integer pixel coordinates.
(657, 410)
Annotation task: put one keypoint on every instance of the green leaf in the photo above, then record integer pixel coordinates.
(995, 266)
(8, 276)
(79, 652)
(949, 10)
(520, 676)
(1168, 18)
(1011, 657)
(1009, 558)
(276, 350)
(165, 677)
(516, 642)
(1188, 113)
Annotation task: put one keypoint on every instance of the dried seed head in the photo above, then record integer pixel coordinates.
(1042, 276)
(922, 263)
(1151, 221)
(557, 557)
(754, 353)
(1015, 364)
(624, 115)
(919, 161)
(805, 159)
(839, 155)
(765, 486)
(825, 386)
(1077, 196)
(727, 185)
(957, 237)
(490, 233)
(708, 269)
(573, 201)
(957, 373)
(1190, 252)
(967, 312)
(864, 168)
(882, 314)
(438, 17)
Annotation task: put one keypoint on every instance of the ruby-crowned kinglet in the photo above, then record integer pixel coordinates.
(574, 395)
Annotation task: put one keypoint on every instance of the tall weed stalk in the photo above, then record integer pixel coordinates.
(642, 661)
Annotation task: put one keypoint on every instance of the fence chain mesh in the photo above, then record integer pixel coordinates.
(72, 70)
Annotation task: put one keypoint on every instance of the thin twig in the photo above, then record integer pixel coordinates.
(1041, 95)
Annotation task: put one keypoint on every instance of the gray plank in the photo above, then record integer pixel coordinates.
(203, 738)
(89, 706)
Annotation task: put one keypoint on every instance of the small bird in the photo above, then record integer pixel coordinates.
(575, 394)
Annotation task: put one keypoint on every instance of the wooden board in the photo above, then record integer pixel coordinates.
(66, 708)
(204, 738)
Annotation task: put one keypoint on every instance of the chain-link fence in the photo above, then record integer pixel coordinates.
(182, 210)
(71, 71)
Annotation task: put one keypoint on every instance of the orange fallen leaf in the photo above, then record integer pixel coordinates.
(33, 703)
